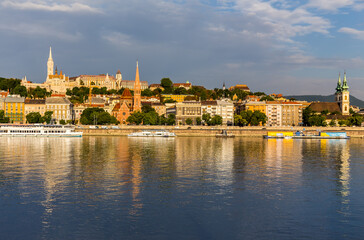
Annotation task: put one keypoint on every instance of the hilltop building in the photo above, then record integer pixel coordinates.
(58, 82)
(243, 87)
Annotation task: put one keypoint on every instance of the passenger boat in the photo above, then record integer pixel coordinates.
(38, 130)
(301, 135)
(152, 133)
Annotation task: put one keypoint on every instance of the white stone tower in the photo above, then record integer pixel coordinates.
(50, 64)
(345, 97)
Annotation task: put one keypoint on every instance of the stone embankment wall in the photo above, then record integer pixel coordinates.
(205, 131)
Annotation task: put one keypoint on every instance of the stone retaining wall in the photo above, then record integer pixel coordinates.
(212, 131)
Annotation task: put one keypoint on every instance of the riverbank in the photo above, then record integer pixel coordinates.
(208, 131)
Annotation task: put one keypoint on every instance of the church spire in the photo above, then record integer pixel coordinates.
(338, 87)
(50, 64)
(137, 91)
(50, 53)
(345, 86)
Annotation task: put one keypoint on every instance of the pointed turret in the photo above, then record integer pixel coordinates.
(50, 54)
(137, 91)
(338, 87)
(50, 64)
(345, 86)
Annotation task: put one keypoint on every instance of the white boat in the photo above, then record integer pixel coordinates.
(38, 130)
(152, 133)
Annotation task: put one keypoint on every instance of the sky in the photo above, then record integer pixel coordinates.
(292, 47)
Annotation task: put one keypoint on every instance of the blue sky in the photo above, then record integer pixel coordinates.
(275, 46)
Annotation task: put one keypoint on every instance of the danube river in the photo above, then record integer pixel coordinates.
(182, 188)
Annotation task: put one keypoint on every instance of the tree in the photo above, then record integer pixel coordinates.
(34, 117)
(266, 98)
(180, 90)
(317, 120)
(341, 122)
(47, 117)
(151, 118)
(206, 117)
(324, 112)
(258, 118)
(335, 113)
(216, 120)
(92, 116)
(332, 123)
(355, 120)
(306, 114)
(189, 121)
(9, 84)
(62, 121)
(135, 118)
(169, 101)
(167, 84)
(38, 92)
(21, 90)
(253, 118)
(3, 119)
(147, 92)
(239, 121)
(147, 109)
(259, 94)
(171, 120)
(198, 121)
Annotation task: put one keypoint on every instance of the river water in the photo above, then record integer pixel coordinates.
(182, 188)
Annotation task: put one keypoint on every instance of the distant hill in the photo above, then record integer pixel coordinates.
(331, 98)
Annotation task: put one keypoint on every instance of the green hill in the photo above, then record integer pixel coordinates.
(331, 98)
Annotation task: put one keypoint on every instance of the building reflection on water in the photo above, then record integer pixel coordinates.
(93, 169)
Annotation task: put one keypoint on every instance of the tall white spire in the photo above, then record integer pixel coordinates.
(50, 53)
(50, 64)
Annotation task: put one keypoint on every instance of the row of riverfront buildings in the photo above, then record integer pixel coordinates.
(280, 112)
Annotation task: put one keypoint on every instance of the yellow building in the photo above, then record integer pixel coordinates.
(177, 98)
(255, 106)
(14, 109)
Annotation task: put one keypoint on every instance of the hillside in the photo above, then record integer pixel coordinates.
(331, 98)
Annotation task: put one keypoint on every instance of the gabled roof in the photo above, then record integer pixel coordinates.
(34, 101)
(126, 93)
(322, 106)
(57, 100)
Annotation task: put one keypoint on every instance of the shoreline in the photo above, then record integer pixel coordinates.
(209, 131)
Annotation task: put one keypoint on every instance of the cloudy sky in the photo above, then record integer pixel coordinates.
(275, 46)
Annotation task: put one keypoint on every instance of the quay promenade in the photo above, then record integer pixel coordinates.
(211, 131)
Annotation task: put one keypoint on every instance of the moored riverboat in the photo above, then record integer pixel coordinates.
(224, 134)
(301, 135)
(38, 130)
(152, 133)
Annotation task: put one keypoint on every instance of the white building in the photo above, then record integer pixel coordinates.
(61, 108)
(223, 108)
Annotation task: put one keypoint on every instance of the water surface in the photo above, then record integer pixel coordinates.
(182, 188)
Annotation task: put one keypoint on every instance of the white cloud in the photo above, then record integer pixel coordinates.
(330, 5)
(283, 23)
(118, 39)
(354, 32)
(42, 6)
(39, 30)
